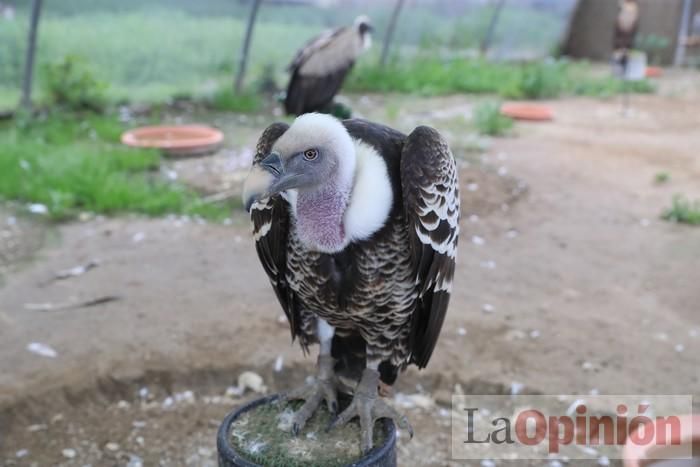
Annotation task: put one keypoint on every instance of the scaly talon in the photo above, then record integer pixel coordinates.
(366, 405)
(322, 387)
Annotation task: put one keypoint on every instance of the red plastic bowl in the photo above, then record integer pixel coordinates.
(527, 111)
(175, 140)
(654, 72)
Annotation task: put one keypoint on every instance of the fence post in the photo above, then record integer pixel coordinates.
(243, 60)
(26, 100)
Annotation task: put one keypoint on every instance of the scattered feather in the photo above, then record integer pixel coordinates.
(37, 427)
(42, 349)
(279, 363)
(516, 387)
(411, 401)
(37, 208)
(252, 381)
(572, 407)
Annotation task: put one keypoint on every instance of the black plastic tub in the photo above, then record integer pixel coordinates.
(380, 456)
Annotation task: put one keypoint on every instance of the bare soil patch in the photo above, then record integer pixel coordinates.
(567, 282)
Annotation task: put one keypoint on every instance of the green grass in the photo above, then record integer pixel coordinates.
(430, 76)
(662, 177)
(488, 119)
(150, 50)
(683, 211)
(148, 56)
(258, 437)
(226, 100)
(72, 165)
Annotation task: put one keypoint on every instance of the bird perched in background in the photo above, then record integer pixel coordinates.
(319, 68)
(626, 27)
(356, 225)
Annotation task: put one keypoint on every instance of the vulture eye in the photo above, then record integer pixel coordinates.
(310, 154)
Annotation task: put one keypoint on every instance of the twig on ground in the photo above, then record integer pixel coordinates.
(71, 305)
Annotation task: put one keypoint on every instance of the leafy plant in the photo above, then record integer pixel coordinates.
(684, 211)
(226, 99)
(489, 120)
(72, 164)
(70, 83)
(541, 81)
(662, 177)
(653, 45)
(429, 76)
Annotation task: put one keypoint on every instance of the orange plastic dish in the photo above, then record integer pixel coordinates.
(527, 111)
(175, 140)
(654, 72)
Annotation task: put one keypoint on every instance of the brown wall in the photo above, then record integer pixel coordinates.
(591, 28)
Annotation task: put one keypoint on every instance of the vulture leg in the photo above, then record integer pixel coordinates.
(369, 407)
(323, 385)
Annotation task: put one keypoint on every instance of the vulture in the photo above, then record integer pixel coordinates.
(319, 68)
(356, 225)
(626, 27)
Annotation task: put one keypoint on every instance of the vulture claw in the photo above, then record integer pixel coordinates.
(313, 393)
(369, 408)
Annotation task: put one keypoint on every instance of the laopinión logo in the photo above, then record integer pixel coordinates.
(577, 427)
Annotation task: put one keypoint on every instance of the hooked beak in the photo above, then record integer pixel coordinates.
(273, 164)
(268, 178)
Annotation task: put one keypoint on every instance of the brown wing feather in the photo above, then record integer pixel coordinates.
(431, 203)
(319, 69)
(313, 45)
(270, 219)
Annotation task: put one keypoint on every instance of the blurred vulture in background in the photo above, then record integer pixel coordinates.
(319, 68)
(625, 30)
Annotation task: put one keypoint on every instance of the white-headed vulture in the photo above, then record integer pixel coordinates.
(320, 67)
(356, 225)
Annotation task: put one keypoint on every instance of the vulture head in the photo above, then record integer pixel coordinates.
(313, 159)
(364, 27)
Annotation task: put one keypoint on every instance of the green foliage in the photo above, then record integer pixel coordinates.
(150, 50)
(258, 438)
(227, 100)
(683, 211)
(609, 86)
(149, 53)
(541, 81)
(652, 44)
(74, 164)
(488, 119)
(72, 85)
(662, 177)
(427, 75)
(339, 110)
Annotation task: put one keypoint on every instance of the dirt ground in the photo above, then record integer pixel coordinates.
(568, 282)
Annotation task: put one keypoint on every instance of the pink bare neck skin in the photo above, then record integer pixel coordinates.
(319, 216)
